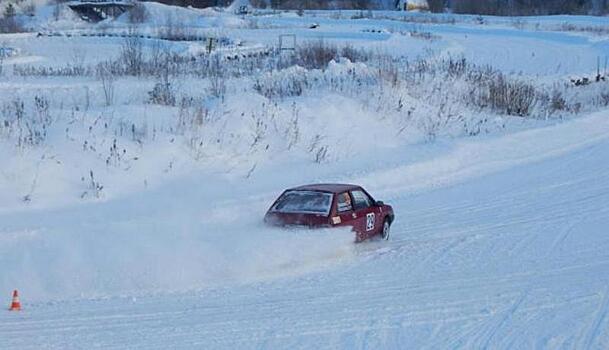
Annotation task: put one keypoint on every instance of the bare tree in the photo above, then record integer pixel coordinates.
(132, 54)
(104, 73)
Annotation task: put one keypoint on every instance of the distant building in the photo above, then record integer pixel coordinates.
(411, 5)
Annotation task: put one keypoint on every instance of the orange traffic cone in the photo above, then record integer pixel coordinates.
(15, 305)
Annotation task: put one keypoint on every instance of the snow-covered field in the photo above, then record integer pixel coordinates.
(128, 220)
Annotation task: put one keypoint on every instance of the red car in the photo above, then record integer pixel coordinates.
(332, 205)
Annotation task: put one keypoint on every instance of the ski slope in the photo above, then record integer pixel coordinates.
(517, 258)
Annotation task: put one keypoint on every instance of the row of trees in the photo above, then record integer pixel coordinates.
(194, 3)
(481, 7)
(281, 4)
(528, 7)
(324, 4)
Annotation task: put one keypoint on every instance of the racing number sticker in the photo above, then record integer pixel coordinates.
(369, 221)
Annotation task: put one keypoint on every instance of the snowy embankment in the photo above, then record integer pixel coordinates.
(135, 173)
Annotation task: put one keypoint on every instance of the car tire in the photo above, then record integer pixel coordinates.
(386, 229)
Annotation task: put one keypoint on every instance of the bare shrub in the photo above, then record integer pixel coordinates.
(388, 71)
(423, 35)
(355, 55)
(217, 80)
(41, 107)
(116, 156)
(316, 55)
(276, 81)
(428, 19)
(455, 67)
(319, 151)
(108, 78)
(162, 94)
(132, 54)
(292, 133)
(505, 95)
(69, 70)
(288, 83)
(94, 187)
(191, 115)
(571, 27)
(557, 101)
(433, 124)
(25, 124)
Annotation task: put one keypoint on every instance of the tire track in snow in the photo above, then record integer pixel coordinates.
(456, 243)
(595, 328)
(506, 317)
(562, 237)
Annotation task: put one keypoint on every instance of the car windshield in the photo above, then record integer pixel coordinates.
(304, 202)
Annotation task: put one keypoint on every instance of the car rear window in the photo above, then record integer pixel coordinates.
(304, 202)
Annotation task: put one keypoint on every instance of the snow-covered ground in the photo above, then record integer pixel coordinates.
(514, 259)
(129, 223)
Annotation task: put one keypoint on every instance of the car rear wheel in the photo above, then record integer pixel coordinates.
(386, 229)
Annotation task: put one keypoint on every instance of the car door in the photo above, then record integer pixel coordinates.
(345, 215)
(366, 214)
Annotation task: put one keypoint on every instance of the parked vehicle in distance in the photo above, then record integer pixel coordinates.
(332, 205)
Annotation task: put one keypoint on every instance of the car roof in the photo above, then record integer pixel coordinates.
(332, 188)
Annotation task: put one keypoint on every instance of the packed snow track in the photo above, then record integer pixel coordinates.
(514, 259)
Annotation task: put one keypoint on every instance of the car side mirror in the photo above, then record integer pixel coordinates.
(379, 203)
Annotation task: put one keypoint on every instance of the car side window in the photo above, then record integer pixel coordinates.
(361, 200)
(344, 203)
